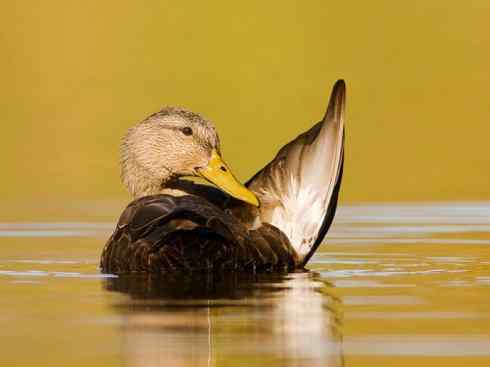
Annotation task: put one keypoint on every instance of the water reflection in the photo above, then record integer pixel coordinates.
(231, 320)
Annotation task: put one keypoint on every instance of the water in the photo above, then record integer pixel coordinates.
(396, 285)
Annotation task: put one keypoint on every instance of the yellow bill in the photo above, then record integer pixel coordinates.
(218, 173)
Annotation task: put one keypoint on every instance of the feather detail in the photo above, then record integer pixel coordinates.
(298, 190)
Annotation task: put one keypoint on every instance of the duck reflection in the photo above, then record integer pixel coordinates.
(230, 320)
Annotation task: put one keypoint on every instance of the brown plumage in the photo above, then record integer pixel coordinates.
(176, 225)
(161, 233)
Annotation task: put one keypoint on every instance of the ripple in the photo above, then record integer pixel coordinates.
(49, 261)
(50, 233)
(56, 225)
(383, 300)
(435, 213)
(357, 283)
(55, 229)
(384, 273)
(56, 274)
(420, 345)
(407, 241)
(424, 315)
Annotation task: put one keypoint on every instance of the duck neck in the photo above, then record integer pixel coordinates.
(139, 182)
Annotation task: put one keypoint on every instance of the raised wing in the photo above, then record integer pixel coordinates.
(298, 189)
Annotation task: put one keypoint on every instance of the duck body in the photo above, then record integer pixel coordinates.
(188, 227)
(163, 233)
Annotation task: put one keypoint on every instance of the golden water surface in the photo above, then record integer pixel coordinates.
(394, 285)
(400, 283)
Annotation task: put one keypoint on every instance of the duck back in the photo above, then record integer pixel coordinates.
(163, 233)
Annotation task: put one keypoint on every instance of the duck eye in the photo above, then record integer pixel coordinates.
(187, 131)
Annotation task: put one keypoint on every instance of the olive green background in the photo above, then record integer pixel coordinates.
(76, 74)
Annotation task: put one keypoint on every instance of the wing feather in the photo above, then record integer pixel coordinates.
(298, 189)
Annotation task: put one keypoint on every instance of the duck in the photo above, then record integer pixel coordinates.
(272, 223)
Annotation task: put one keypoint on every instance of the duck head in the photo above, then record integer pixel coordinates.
(174, 143)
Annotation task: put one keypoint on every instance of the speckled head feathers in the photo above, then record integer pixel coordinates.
(170, 143)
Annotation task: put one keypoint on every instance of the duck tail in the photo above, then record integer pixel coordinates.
(299, 188)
